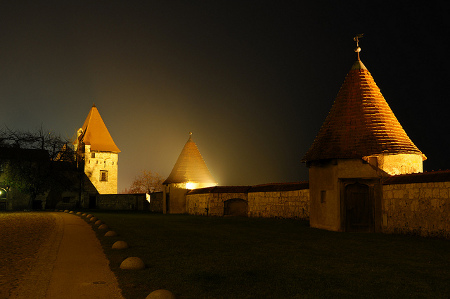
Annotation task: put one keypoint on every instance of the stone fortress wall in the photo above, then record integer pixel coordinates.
(289, 200)
(280, 201)
(416, 204)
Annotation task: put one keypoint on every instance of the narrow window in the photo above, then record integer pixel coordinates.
(92, 155)
(104, 175)
(323, 196)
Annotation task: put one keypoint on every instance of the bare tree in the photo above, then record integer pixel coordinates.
(146, 182)
(29, 160)
(56, 147)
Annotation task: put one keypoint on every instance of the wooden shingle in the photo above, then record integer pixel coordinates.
(360, 123)
(190, 167)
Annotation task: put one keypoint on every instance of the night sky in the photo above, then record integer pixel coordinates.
(253, 80)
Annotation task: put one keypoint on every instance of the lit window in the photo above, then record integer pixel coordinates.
(104, 175)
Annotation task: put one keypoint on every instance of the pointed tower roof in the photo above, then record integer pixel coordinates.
(95, 133)
(190, 166)
(360, 123)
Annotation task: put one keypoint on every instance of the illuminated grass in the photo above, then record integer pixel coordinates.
(214, 257)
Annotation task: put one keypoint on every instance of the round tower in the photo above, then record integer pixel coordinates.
(360, 142)
(189, 172)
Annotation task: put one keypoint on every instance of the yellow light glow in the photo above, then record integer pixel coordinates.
(190, 185)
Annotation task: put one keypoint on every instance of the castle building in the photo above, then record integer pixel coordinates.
(98, 155)
(360, 143)
(189, 172)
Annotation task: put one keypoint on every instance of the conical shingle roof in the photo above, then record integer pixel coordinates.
(190, 167)
(360, 123)
(95, 133)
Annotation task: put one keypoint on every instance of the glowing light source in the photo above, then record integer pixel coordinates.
(3, 193)
(190, 185)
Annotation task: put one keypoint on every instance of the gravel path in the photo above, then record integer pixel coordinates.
(52, 255)
(21, 237)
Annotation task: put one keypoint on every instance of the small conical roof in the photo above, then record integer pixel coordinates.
(95, 133)
(190, 166)
(360, 123)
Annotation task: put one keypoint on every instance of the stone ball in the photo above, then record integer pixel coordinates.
(88, 216)
(110, 233)
(93, 219)
(84, 214)
(103, 226)
(161, 294)
(120, 245)
(71, 212)
(78, 213)
(132, 263)
(98, 222)
(66, 211)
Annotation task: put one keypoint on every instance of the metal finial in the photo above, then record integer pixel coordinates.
(356, 39)
(190, 133)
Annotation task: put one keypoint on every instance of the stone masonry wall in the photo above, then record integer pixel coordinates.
(417, 208)
(197, 204)
(211, 204)
(122, 202)
(95, 163)
(282, 204)
(411, 204)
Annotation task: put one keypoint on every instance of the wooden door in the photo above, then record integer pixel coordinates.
(358, 208)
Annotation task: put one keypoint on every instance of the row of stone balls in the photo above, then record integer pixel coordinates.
(130, 263)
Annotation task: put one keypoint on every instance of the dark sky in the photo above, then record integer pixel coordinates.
(253, 80)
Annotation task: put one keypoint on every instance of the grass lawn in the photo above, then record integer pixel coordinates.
(221, 257)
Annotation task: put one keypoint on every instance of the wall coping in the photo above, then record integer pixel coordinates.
(423, 177)
(272, 187)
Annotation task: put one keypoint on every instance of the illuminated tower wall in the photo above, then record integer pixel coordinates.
(98, 153)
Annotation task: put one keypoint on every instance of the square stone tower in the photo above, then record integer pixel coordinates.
(98, 153)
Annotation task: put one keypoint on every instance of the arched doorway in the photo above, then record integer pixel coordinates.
(235, 207)
(358, 208)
